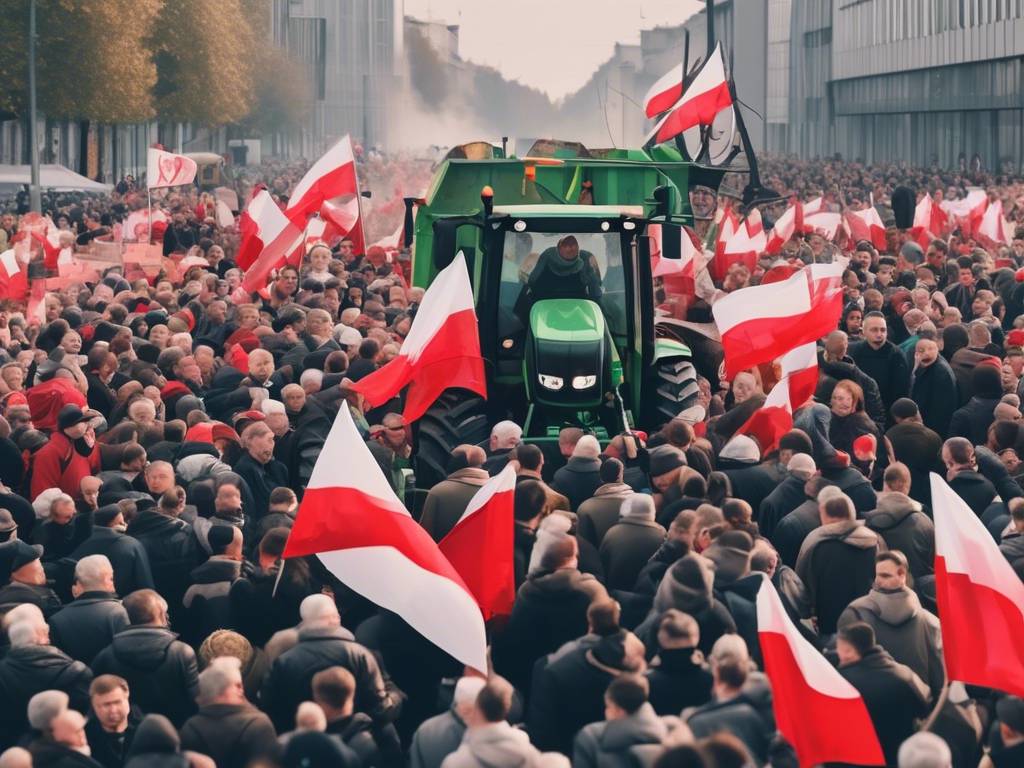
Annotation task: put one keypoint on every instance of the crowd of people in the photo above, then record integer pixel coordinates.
(156, 436)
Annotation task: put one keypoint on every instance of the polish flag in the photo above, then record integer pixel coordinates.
(250, 246)
(728, 224)
(442, 349)
(787, 225)
(317, 231)
(166, 169)
(275, 235)
(745, 246)
(344, 219)
(707, 95)
(930, 222)
(816, 709)
(815, 205)
(332, 176)
(772, 420)
(980, 598)
(867, 225)
(661, 265)
(13, 276)
(664, 93)
(481, 545)
(824, 223)
(353, 522)
(764, 322)
(968, 211)
(993, 226)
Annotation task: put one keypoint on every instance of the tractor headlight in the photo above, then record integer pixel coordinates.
(550, 382)
(583, 382)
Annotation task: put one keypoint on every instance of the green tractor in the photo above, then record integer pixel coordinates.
(557, 354)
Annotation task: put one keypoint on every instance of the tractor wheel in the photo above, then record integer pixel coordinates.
(457, 417)
(675, 389)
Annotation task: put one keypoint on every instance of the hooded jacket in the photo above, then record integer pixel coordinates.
(601, 511)
(435, 739)
(156, 745)
(626, 548)
(29, 669)
(231, 734)
(160, 669)
(611, 744)
(837, 565)
(899, 520)
(678, 679)
(497, 745)
(902, 627)
(579, 479)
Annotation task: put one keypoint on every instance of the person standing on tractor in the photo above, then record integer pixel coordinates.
(565, 272)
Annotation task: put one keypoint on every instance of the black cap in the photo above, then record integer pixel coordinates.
(70, 415)
(15, 554)
(7, 523)
(220, 537)
(106, 514)
(1010, 711)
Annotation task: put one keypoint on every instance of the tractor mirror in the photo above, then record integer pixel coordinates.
(665, 240)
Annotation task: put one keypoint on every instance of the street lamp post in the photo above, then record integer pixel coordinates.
(35, 203)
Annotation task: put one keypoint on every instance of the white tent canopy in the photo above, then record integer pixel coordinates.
(50, 177)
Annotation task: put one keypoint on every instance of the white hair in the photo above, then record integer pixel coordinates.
(730, 646)
(42, 502)
(16, 757)
(311, 374)
(181, 336)
(466, 690)
(829, 492)
(22, 612)
(91, 571)
(219, 675)
(587, 447)
(272, 406)
(317, 608)
(24, 633)
(851, 511)
(310, 717)
(61, 498)
(506, 434)
(925, 750)
(44, 707)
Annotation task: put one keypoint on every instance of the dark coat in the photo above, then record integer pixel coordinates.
(973, 420)
(920, 448)
(619, 743)
(207, 602)
(837, 565)
(160, 669)
(290, 679)
(831, 372)
(29, 669)
(887, 366)
(898, 519)
(258, 611)
(111, 749)
(15, 593)
(447, 500)
(172, 550)
(578, 479)
(678, 679)
(231, 734)
(375, 746)
(791, 531)
(570, 694)
(975, 489)
(310, 428)
(626, 548)
(601, 511)
(126, 554)
(753, 483)
(50, 754)
(550, 609)
(844, 430)
(784, 499)
(261, 479)
(934, 391)
(435, 739)
(853, 483)
(893, 695)
(88, 624)
(1012, 547)
(737, 716)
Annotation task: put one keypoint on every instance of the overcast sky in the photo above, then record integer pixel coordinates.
(553, 45)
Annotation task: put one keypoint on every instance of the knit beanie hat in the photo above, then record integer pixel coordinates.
(686, 585)
(553, 528)
(664, 458)
(741, 448)
(587, 447)
(637, 506)
(730, 553)
(224, 642)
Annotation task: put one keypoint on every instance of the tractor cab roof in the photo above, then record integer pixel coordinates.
(569, 211)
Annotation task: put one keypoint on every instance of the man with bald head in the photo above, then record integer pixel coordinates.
(448, 499)
(310, 426)
(258, 467)
(933, 385)
(834, 365)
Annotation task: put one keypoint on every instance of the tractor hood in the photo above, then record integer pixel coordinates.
(566, 356)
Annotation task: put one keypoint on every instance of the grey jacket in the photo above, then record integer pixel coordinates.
(448, 499)
(497, 745)
(435, 739)
(601, 511)
(613, 743)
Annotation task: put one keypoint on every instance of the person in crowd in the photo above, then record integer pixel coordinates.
(439, 736)
(882, 360)
(902, 522)
(112, 722)
(489, 738)
(580, 478)
(601, 511)
(87, 625)
(631, 542)
(630, 723)
(447, 500)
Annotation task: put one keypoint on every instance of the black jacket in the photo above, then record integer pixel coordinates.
(920, 448)
(975, 489)
(934, 391)
(207, 601)
(160, 669)
(127, 555)
(784, 499)
(578, 479)
(887, 366)
(172, 551)
(791, 531)
(831, 372)
(40, 595)
(257, 611)
(111, 749)
(893, 694)
(678, 679)
(262, 479)
(898, 519)
(973, 420)
(753, 484)
(29, 669)
(626, 548)
(375, 746)
(87, 625)
(737, 716)
(231, 734)
(569, 695)
(290, 679)
(50, 754)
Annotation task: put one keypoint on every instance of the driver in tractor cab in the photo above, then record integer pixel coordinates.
(565, 272)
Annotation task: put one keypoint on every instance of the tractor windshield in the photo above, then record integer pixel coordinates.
(534, 259)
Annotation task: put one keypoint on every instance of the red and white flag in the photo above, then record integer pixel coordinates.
(274, 237)
(13, 276)
(930, 221)
(353, 522)
(707, 95)
(993, 226)
(166, 169)
(824, 223)
(745, 246)
(330, 188)
(818, 711)
(980, 598)
(788, 224)
(815, 205)
(481, 545)
(867, 225)
(689, 256)
(799, 369)
(967, 212)
(764, 322)
(442, 349)
(664, 93)
(344, 220)
(727, 226)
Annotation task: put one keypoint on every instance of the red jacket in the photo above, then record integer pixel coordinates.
(58, 465)
(45, 401)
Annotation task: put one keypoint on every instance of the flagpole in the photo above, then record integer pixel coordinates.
(939, 704)
(149, 213)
